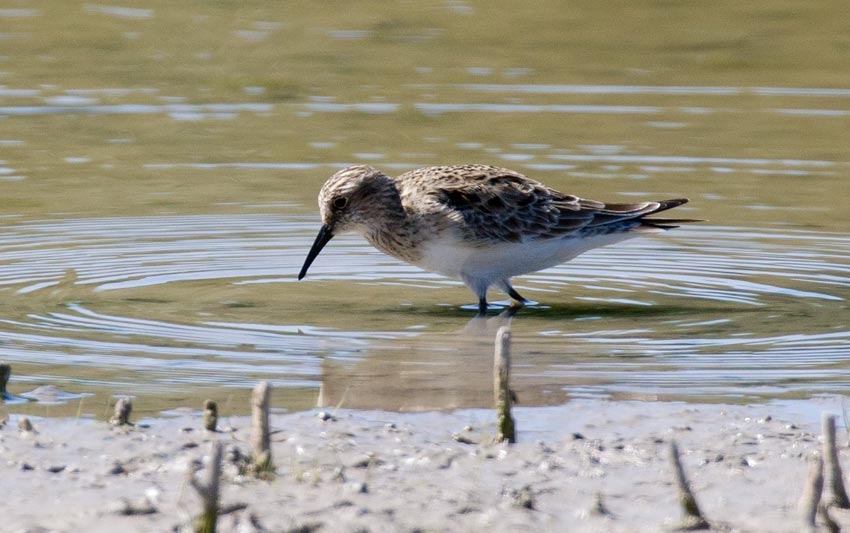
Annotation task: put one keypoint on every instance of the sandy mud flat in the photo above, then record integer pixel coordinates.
(589, 465)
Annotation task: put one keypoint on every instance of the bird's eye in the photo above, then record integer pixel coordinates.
(340, 202)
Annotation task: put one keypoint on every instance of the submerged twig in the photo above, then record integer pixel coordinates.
(812, 493)
(833, 478)
(261, 465)
(506, 430)
(209, 492)
(694, 518)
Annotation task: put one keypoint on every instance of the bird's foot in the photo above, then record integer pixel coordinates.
(517, 297)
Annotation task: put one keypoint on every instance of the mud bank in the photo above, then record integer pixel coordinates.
(584, 466)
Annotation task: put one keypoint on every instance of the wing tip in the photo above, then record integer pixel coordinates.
(667, 223)
(664, 205)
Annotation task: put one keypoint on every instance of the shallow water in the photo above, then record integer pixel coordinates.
(154, 218)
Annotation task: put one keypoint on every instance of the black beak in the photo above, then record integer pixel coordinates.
(324, 236)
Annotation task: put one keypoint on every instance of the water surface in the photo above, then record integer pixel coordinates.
(159, 167)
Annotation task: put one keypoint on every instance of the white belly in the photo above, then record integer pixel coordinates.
(488, 264)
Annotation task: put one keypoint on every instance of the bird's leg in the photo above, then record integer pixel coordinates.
(479, 287)
(514, 294)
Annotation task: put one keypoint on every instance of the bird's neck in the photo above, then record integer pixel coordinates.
(387, 210)
(390, 228)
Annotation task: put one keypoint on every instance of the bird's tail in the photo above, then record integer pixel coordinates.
(666, 223)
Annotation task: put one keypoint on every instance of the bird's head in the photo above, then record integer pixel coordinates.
(351, 200)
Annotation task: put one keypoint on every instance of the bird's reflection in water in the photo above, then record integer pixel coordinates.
(482, 325)
(434, 371)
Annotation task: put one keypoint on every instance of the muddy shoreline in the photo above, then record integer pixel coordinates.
(588, 465)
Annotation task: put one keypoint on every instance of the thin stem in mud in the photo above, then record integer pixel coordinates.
(209, 492)
(5, 374)
(123, 408)
(694, 518)
(506, 430)
(812, 493)
(210, 415)
(262, 464)
(833, 478)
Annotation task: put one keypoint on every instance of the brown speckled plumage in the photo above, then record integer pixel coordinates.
(460, 220)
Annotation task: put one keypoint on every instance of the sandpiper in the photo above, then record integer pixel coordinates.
(477, 223)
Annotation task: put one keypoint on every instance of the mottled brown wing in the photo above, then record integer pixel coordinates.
(499, 205)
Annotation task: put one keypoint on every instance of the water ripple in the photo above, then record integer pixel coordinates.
(656, 336)
(727, 264)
